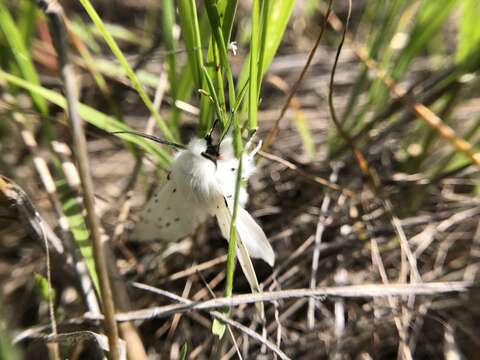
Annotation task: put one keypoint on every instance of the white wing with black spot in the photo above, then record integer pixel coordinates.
(169, 215)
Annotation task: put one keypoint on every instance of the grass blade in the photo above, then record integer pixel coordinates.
(126, 67)
(93, 116)
(21, 54)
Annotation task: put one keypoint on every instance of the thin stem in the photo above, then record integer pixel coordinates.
(54, 12)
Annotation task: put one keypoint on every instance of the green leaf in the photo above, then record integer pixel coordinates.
(76, 222)
(21, 54)
(218, 328)
(43, 289)
(183, 351)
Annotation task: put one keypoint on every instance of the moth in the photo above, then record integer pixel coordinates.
(201, 184)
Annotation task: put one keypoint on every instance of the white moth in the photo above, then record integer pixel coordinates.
(201, 183)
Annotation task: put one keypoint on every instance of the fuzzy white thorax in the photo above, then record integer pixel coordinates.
(194, 174)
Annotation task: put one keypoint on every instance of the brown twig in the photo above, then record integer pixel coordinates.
(54, 12)
(311, 177)
(422, 111)
(372, 177)
(274, 131)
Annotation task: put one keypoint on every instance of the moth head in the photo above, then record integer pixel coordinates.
(213, 150)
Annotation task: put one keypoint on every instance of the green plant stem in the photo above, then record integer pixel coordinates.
(53, 10)
(253, 85)
(232, 240)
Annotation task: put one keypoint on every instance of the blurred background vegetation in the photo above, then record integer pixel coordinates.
(406, 93)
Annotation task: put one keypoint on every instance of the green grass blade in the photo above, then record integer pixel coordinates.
(26, 20)
(431, 16)
(253, 73)
(469, 32)
(214, 97)
(169, 42)
(21, 54)
(126, 67)
(77, 225)
(278, 19)
(192, 38)
(217, 32)
(94, 117)
(265, 13)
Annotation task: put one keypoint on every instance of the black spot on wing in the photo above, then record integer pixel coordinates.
(174, 190)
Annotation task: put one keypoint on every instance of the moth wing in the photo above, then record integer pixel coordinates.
(224, 220)
(253, 237)
(168, 215)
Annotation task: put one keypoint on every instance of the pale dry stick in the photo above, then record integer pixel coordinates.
(200, 348)
(176, 318)
(135, 348)
(53, 11)
(348, 291)
(402, 331)
(274, 131)
(471, 270)
(200, 267)
(229, 329)
(316, 249)
(276, 306)
(211, 285)
(311, 177)
(53, 348)
(218, 315)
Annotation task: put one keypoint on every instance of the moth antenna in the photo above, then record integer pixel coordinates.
(215, 123)
(153, 138)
